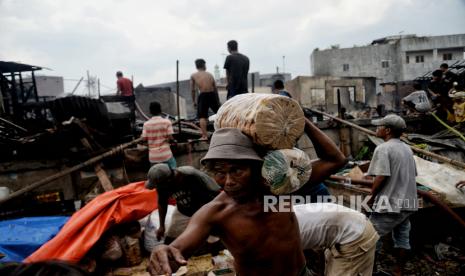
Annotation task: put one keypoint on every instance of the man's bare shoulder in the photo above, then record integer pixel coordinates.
(220, 206)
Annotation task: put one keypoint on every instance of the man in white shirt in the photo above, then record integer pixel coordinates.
(347, 236)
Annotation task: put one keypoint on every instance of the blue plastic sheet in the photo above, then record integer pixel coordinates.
(19, 238)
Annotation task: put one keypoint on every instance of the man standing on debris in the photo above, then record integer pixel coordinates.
(158, 132)
(394, 190)
(126, 89)
(237, 70)
(449, 77)
(208, 95)
(440, 94)
(262, 243)
(190, 187)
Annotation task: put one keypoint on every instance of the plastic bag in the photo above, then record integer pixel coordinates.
(272, 121)
(86, 226)
(20, 237)
(286, 170)
(153, 223)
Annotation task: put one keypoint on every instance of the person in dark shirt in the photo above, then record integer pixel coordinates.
(440, 94)
(190, 187)
(237, 69)
(124, 87)
(448, 77)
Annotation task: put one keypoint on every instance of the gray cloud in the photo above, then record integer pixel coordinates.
(145, 38)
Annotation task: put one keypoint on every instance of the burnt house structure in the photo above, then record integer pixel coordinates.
(19, 100)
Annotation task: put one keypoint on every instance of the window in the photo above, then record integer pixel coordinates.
(447, 56)
(385, 63)
(407, 59)
(345, 67)
(419, 59)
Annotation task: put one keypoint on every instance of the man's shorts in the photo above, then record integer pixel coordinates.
(205, 101)
(397, 223)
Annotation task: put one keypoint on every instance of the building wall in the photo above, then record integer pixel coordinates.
(362, 61)
(164, 96)
(434, 48)
(48, 86)
(186, 104)
(309, 91)
(367, 61)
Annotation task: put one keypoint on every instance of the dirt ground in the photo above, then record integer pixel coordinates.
(425, 261)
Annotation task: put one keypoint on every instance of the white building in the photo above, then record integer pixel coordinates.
(390, 59)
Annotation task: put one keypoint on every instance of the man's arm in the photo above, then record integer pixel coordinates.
(118, 89)
(226, 67)
(196, 233)
(378, 184)
(162, 209)
(192, 84)
(215, 89)
(228, 81)
(330, 157)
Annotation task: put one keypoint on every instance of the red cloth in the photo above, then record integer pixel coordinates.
(86, 226)
(125, 85)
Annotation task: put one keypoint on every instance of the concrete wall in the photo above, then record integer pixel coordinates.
(164, 96)
(366, 61)
(309, 91)
(319, 91)
(363, 62)
(48, 86)
(186, 104)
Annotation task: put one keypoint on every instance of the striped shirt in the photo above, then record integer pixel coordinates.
(156, 132)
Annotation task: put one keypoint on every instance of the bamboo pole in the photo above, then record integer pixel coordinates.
(432, 198)
(70, 170)
(415, 149)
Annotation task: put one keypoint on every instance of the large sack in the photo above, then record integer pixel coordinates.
(286, 170)
(273, 121)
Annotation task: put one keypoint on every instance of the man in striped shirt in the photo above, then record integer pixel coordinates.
(158, 131)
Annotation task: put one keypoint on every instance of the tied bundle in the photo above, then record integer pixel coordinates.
(272, 121)
(286, 170)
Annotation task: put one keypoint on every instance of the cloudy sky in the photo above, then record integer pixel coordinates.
(144, 38)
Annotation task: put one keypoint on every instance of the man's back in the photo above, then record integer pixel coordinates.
(237, 66)
(394, 159)
(156, 132)
(261, 243)
(204, 81)
(195, 190)
(322, 225)
(438, 87)
(125, 86)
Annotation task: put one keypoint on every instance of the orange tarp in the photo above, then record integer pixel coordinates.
(85, 227)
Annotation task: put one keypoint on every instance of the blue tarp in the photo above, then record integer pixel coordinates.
(19, 238)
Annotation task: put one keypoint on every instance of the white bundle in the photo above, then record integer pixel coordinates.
(153, 223)
(272, 121)
(286, 170)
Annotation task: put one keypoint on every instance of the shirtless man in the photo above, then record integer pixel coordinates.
(208, 94)
(262, 243)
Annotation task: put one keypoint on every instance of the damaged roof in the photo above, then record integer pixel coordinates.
(9, 67)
